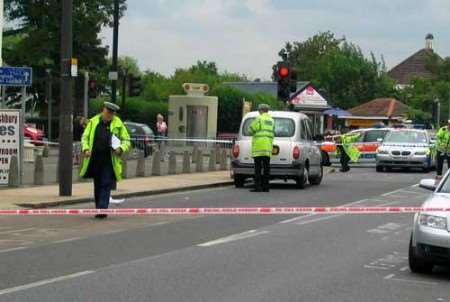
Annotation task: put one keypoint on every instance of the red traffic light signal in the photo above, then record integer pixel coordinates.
(283, 71)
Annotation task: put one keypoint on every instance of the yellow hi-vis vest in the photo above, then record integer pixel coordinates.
(262, 130)
(443, 140)
(348, 141)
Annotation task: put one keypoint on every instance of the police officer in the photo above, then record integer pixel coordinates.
(262, 131)
(101, 161)
(348, 150)
(442, 149)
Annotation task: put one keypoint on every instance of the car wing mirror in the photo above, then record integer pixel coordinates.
(428, 184)
(380, 140)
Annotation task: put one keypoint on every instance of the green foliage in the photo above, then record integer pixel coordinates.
(137, 110)
(230, 106)
(340, 68)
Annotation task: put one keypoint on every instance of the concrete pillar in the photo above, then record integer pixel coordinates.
(162, 149)
(125, 166)
(212, 160)
(38, 177)
(13, 177)
(140, 166)
(199, 162)
(194, 154)
(45, 151)
(172, 163)
(223, 160)
(217, 154)
(186, 162)
(156, 163)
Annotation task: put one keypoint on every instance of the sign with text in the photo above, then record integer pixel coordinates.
(16, 76)
(309, 97)
(9, 141)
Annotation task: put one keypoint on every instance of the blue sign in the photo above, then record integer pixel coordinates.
(16, 76)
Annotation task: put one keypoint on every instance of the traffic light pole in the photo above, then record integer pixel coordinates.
(115, 50)
(65, 120)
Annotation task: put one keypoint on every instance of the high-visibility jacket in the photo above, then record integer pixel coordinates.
(87, 142)
(348, 141)
(443, 140)
(262, 131)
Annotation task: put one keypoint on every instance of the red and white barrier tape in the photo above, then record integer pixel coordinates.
(222, 211)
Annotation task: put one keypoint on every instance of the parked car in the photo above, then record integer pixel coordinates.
(294, 154)
(430, 238)
(367, 144)
(406, 148)
(142, 137)
(33, 134)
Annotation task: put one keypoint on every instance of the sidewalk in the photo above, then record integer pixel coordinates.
(47, 196)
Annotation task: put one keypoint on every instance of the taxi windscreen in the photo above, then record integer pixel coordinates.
(284, 127)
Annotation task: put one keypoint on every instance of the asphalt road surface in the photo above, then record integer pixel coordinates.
(227, 258)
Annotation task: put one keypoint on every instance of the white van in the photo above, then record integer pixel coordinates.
(295, 155)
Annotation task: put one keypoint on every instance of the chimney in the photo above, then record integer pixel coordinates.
(429, 42)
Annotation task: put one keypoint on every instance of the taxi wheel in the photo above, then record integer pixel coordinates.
(380, 169)
(416, 263)
(316, 180)
(239, 181)
(301, 180)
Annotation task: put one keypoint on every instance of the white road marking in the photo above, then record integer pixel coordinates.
(16, 231)
(375, 267)
(404, 269)
(317, 219)
(13, 249)
(235, 237)
(43, 282)
(414, 281)
(67, 240)
(389, 276)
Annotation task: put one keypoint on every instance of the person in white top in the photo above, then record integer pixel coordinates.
(161, 126)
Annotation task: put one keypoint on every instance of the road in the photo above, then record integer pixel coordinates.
(227, 258)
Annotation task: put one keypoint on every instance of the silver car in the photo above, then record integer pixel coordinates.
(430, 239)
(405, 148)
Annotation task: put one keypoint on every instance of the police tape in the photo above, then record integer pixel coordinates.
(222, 211)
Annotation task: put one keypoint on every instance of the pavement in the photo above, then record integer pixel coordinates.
(47, 196)
(227, 258)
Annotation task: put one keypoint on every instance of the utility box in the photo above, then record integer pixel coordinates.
(193, 115)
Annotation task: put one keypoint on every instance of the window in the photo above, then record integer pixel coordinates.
(284, 127)
(373, 135)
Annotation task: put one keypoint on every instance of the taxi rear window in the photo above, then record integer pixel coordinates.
(284, 127)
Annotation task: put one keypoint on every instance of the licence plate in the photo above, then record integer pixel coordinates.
(275, 150)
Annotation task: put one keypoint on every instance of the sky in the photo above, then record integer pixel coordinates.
(244, 36)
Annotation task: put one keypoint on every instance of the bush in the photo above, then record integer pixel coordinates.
(230, 106)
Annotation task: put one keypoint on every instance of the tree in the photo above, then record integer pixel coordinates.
(340, 68)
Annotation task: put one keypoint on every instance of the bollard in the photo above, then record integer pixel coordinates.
(162, 149)
(199, 162)
(217, 154)
(156, 163)
(194, 154)
(45, 151)
(38, 177)
(13, 177)
(223, 160)
(172, 163)
(212, 160)
(186, 162)
(140, 166)
(125, 166)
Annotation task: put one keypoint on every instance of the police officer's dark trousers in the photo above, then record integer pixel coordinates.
(345, 159)
(103, 180)
(262, 173)
(440, 158)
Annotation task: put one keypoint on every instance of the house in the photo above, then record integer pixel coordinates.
(388, 111)
(414, 66)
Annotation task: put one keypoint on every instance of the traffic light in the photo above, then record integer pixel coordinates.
(134, 85)
(287, 80)
(92, 89)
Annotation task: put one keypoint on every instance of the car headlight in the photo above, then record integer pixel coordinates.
(381, 151)
(425, 152)
(432, 221)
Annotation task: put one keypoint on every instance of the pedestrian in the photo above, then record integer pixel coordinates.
(80, 123)
(104, 140)
(348, 150)
(262, 132)
(442, 149)
(161, 126)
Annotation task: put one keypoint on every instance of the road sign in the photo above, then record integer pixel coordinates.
(16, 76)
(10, 142)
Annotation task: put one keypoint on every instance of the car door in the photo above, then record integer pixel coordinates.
(315, 158)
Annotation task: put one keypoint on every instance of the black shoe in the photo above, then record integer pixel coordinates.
(266, 190)
(101, 216)
(256, 190)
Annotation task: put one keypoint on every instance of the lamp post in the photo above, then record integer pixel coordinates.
(115, 51)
